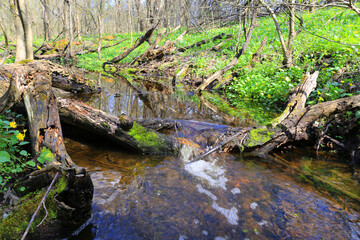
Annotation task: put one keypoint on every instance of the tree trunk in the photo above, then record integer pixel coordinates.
(66, 29)
(46, 15)
(101, 30)
(20, 34)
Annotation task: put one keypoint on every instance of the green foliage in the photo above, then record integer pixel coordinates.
(13, 157)
(267, 86)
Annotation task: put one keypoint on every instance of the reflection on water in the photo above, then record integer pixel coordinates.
(138, 197)
(120, 97)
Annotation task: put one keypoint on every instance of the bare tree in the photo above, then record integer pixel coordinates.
(24, 41)
(46, 15)
(287, 47)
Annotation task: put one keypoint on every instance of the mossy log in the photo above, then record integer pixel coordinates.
(122, 130)
(68, 204)
(295, 124)
(31, 82)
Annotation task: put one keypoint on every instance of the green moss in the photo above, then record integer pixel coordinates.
(14, 225)
(109, 68)
(258, 136)
(146, 138)
(25, 61)
(105, 124)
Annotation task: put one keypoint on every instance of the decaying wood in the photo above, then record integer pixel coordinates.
(34, 87)
(90, 119)
(138, 43)
(218, 74)
(38, 208)
(202, 42)
(256, 56)
(155, 52)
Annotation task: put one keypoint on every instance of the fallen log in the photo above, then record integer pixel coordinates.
(202, 42)
(149, 53)
(74, 190)
(218, 74)
(138, 43)
(122, 130)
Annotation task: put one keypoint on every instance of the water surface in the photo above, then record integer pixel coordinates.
(221, 197)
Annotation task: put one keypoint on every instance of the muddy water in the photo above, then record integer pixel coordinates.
(220, 197)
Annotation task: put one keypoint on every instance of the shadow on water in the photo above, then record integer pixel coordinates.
(221, 197)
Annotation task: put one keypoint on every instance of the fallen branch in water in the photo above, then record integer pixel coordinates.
(222, 144)
(38, 208)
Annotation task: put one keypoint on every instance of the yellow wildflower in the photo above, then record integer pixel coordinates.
(13, 124)
(269, 96)
(20, 136)
(38, 166)
(351, 84)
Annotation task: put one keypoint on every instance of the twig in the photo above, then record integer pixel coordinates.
(46, 214)
(38, 208)
(221, 144)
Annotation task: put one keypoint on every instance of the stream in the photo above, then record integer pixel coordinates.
(220, 197)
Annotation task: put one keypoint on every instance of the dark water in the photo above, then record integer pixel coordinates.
(221, 197)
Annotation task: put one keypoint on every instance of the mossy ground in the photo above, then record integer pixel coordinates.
(14, 225)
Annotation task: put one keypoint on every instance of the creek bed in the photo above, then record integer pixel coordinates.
(221, 197)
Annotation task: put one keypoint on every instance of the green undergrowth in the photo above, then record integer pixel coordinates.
(268, 82)
(249, 112)
(13, 225)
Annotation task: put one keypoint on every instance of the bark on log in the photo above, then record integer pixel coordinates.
(154, 45)
(117, 130)
(61, 77)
